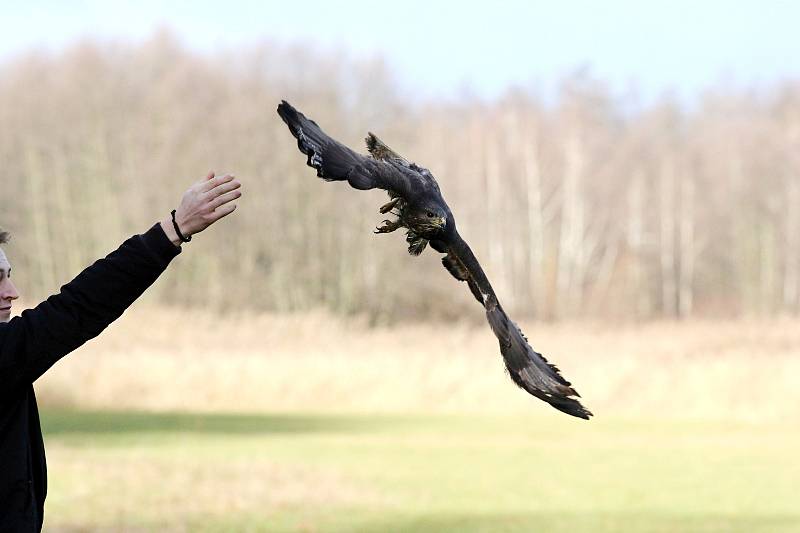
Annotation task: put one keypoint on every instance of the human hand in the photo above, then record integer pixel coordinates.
(204, 203)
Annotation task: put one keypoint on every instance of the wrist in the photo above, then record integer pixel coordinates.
(169, 231)
(180, 228)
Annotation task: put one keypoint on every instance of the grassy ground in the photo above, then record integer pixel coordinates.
(180, 472)
(417, 428)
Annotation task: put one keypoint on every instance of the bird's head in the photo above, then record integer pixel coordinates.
(427, 219)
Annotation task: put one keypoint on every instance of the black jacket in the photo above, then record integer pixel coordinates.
(32, 342)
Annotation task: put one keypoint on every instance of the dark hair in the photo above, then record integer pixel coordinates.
(4, 236)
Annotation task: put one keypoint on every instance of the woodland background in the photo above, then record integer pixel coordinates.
(582, 204)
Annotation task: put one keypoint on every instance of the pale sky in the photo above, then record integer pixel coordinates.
(439, 48)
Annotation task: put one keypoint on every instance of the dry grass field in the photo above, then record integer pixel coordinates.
(162, 360)
(176, 421)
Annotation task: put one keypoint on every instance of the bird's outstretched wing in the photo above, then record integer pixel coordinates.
(378, 149)
(387, 170)
(528, 368)
(336, 162)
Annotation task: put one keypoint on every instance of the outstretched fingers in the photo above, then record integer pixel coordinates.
(213, 181)
(223, 188)
(225, 198)
(226, 189)
(222, 211)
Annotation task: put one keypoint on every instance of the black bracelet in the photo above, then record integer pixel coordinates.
(178, 231)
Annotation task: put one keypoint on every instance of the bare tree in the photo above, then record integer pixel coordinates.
(580, 205)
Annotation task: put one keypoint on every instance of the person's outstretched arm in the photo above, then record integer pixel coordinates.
(32, 342)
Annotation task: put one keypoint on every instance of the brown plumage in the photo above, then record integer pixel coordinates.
(418, 205)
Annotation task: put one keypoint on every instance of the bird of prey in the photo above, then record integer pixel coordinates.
(418, 206)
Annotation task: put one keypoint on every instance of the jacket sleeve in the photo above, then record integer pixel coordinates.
(32, 342)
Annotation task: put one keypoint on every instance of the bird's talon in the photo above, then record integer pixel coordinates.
(388, 226)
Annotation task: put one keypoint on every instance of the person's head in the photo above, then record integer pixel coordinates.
(8, 292)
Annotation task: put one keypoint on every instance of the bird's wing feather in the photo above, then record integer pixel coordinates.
(379, 150)
(528, 368)
(454, 265)
(336, 162)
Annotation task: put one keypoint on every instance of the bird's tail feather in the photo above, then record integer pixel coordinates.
(529, 369)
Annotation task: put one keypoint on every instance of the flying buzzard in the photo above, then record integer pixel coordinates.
(417, 204)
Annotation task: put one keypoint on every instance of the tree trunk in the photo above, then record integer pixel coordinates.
(687, 255)
(40, 220)
(791, 273)
(533, 186)
(667, 241)
(635, 238)
(568, 288)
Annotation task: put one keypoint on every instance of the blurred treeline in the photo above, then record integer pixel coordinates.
(579, 204)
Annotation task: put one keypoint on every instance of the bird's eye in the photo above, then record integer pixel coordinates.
(430, 215)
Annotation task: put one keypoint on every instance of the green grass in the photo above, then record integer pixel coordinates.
(179, 472)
